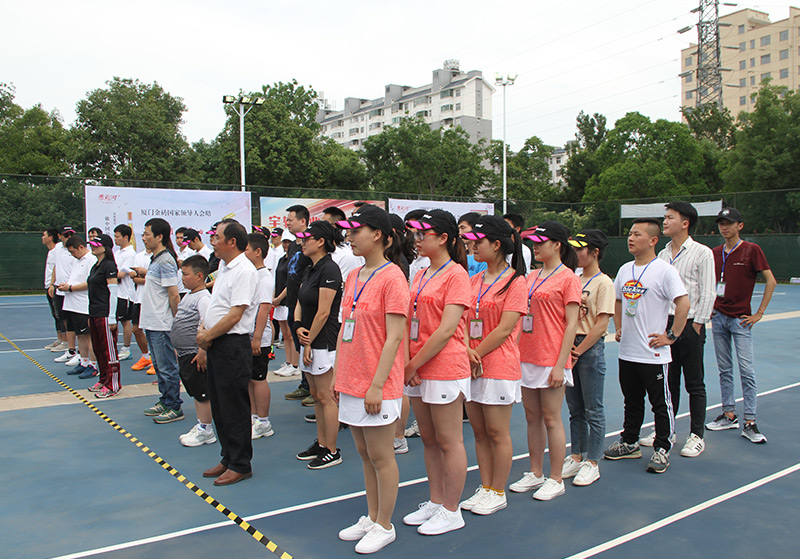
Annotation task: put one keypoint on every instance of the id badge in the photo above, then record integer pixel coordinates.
(720, 289)
(630, 306)
(414, 332)
(476, 329)
(349, 328)
(527, 323)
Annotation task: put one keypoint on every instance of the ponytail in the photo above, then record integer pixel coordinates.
(457, 251)
(393, 250)
(512, 246)
(569, 257)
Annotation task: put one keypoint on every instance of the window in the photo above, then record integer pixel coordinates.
(340, 123)
(558, 161)
(689, 94)
(743, 82)
(766, 59)
(752, 62)
(458, 93)
(766, 75)
(752, 80)
(445, 108)
(688, 61)
(784, 35)
(375, 125)
(742, 47)
(338, 135)
(753, 98)
(420, 101)
(354, 120)
(353, 131)
(742, 64)
(446, 93)
(784, 54)
(765, 40)
(375, 112)
(752, 44)
(396, 119)
(688, 78)
(784, 73)
(741, 29)
(423, 113)
(743, 100)
(458, 106)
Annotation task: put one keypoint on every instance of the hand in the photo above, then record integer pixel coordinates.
(373, 399)
(414, 380)
(276, 302)
(302, 335)
(410, 371)
(51, 291)
(203, 340)
(112, 321)
(201, 360)
(140, 272)
(255, 346)
(63, 287)
(575, 353)
(132, 274)
(697, 327)
(556, 377)
(618, 334)
(659, 340)
(750, 320)
(308, 355)
(335, 396)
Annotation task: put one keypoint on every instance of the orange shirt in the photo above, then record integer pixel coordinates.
(502, 362)
(357, 361)
(549, 310)
(448, 287)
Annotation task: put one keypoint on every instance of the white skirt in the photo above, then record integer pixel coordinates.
(322, 361)
(352, 412)
(536, 376)
(440, 391)
(281, 313)
(496, 392)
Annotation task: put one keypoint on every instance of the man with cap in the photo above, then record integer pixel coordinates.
(193, 241)
(61, 271)
(281, 313)
(737, 264)
(275, 249)
(50, 241)
(297, 220)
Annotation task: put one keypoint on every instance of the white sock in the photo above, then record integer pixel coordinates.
(253, 417)
(264, 420)
(84, 362)
(93, 364)
(204, 426)
(146, 355)
(126, 347)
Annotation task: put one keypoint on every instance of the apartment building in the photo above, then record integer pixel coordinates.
(556, 163)
(752, 49)
(453, 98)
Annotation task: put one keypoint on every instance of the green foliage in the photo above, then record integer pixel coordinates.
(33, 142)
(583, 164)
(35, 204)
(709, 122)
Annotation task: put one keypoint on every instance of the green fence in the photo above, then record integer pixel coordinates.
(22, 264)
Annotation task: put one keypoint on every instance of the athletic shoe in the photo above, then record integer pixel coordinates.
(261, 430)
(420, 516)
(89, 372)
(311, 452)
(97, 387)
(570, 468)
(124, 355)
(64, 358)
(325, 459)
(412, 431)
(280, 345)
(357, 530)
(659, 462)
(752, 434)
(157, 409)
(105, 393)
(694, 446)
(528, 482)
(400, 446)
(723, 422)
(308, 401)
(650, 439)
(58, 346)
(298, 394)
(587, 475)
(288, 371)
(73, 361)
(198, 436)
(441, 522)
(376, 539)
(619, 450)
(51, 345)
(467, 504)
(491, 502)
(550, 490)
(151, 370)
(280, 369)
(77, 370)
(311, 418)
(141, 364)
(169, 415)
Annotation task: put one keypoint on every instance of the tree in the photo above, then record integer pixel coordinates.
(582, 163)
(527, 171)
(131, 130)
(709, 122)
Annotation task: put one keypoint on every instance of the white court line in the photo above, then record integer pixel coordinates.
(683, 514)
(312, 504)
(27, 340)
(26, 351)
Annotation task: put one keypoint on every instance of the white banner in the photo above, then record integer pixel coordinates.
(273, 210)
(107, 207)
(657, 210)
(402, 207)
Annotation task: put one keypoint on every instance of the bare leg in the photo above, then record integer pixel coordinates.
(259, 397)
(84, 345)
(380, 450)
(448, 419)
(434, 461)
(127, 333)
(483, 446)
(402, 421)
(537, 436)
(71, 339)
(498, 428)
(551, 400)
(141, 339)
(203, 410)
(327, 411)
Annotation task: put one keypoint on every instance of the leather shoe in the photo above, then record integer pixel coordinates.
(230, 477)
(216, 471)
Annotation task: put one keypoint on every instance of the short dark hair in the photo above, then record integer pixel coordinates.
(471, 218)
(686, 210)
(517, 221)
(335, 212)
(75, 241)
(197, 263)
(236, 231)
(258, 241)
(414, 214)
(96, 230)
(300, 212)
(124, 230)
(656, 225)
(358, 204)
(52, 232)
(159, 226)
(180, 230)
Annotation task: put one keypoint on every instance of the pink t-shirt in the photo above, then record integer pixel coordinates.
(448, 287)
(549, 310)
(357, 361)
(502, 362)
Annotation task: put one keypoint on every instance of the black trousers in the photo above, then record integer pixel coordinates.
(636, 380)
(296, 341)
(687, 356)
(230, 365)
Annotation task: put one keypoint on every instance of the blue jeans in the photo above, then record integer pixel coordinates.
(587, 418)
(166, 364)
(726, 329)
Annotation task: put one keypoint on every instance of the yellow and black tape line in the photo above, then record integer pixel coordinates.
(238, 520)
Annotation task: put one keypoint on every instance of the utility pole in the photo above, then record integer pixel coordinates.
(709, 72)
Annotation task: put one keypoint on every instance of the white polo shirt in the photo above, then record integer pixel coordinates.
(205, 252)
(236, 284)
(141, 260)
(125, 261)
(49, 264)
(64, 264)
(78, 301)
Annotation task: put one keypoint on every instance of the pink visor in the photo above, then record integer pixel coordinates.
(349, 224)
(537, 238)
(302, 234)
(95, 243)
(212, 232)
(421, 225)
(184, 243)
(472, 236)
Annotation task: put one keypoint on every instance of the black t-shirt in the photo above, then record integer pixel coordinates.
(298, 264)
(98, 286)
(281, 276)
(325, 274)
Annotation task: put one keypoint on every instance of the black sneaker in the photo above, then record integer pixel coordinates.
(326, 459)
(311, 418)
(752, 434)
(723, 422)
(311, 452)
(620, 449)
(659, 462)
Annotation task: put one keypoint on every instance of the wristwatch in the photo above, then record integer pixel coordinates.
(671, 335)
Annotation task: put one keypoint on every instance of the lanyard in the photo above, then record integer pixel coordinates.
(480, 295)
(535, 287)
(672, 260)
(633, 270)
(725, 259)
(356, 291)
(422, 285)
(590, 281)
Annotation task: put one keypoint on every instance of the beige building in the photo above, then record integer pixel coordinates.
(752, 49)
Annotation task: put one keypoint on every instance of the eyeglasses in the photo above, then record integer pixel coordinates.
(419, 235)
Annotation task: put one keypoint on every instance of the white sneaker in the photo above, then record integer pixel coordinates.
(468, 504)
(357, 530)
(279, 371)
(694, 446)
(570, 468)
(261, 430)
(376, 539)
(413, 430)
(400, 446)
(198, 436)
(64, 358)
(528, 482)
(491, 502)
(650, 439)
(289, 371)
(587, 475)
(441, 522)
(420, 516)
(550, 490)
(124, 354)
(73, 361)
(53, 345)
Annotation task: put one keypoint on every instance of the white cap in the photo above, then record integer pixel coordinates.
(287, 236)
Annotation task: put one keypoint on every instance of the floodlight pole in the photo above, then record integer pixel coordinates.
(241, 139)
(505, 80)
(246, 104)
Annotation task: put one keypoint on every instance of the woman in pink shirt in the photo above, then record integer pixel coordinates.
(498, 302)
(369, 368)
(548, 330)
(438, 371)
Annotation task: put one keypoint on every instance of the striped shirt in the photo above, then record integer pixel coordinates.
(695, 265)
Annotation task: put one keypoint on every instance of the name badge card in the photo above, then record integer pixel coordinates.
(630, 306)
(476, 329)
(414, 333)
(720, 289)
(348, 329)
(527, 323)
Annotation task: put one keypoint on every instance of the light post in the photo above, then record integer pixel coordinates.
(248, 102)
(505, 80)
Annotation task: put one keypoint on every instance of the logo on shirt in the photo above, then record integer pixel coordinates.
(502, 398)
(386, 416)
(633, 289)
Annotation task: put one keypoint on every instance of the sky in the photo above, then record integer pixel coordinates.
(609, 57)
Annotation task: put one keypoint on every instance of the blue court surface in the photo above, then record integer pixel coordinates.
(73, 486)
